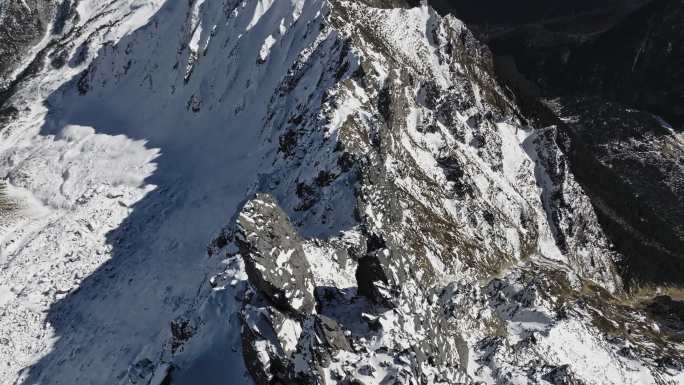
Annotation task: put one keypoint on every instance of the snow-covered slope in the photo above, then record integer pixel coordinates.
(223, 191)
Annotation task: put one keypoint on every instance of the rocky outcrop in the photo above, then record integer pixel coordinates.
(22, 25)
(630, 164)
(446, 185)
(274, 257)
(284, 341)
(372, 278)
(351, 336)
(407, 221)
(600, 77)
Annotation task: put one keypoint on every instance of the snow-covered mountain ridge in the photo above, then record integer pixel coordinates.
(393, 220)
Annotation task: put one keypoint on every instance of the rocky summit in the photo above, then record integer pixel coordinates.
(367, 192)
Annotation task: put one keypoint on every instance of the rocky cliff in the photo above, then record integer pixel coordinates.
(315, 192)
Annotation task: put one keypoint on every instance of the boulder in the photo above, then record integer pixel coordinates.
(274, 258)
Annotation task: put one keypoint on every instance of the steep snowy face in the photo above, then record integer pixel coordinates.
(123, 168)
(392, 219)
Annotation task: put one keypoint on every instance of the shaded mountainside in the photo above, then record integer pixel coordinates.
(600, 86)
(636, 62)
(495, 16)
(326, 192)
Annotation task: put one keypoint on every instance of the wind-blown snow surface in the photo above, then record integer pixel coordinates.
(124, 171)
(121, 189)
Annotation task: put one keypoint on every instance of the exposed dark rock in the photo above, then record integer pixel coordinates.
(371, 275)
(561, 375)
(22, 24)
(598, 75)
(181, 330)
(425, 223)
(267, 352)
(331, 334)
(273, 255)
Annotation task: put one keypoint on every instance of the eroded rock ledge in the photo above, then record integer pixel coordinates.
(345, 334)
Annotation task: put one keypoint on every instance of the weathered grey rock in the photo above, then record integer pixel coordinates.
(273, 254)
(372, 276)
(266, 345)
(331, 333)
(281, 349)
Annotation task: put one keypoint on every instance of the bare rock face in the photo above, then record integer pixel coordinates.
(613, 88)
(410, 226)
(280, 349)
(407, 184)
(275, 315)
(22, 24)
(355, 333)
(273, 256)
(373, 275)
